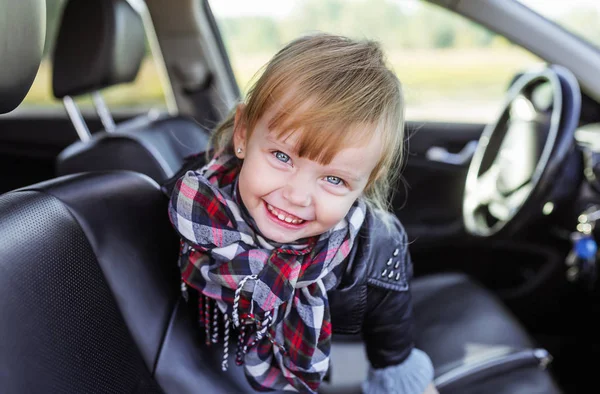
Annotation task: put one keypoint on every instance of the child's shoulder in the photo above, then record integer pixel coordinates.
(385, 248)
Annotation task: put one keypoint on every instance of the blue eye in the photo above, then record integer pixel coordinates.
(281, 156)
(334, 180)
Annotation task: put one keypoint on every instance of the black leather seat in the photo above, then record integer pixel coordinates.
(90, 294)
(475, 344)
(89, 289)
(101, 44)
(157, 148)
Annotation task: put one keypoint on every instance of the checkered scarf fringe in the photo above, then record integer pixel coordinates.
(273, 296)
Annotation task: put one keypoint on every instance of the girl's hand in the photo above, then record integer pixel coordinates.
(430, 389)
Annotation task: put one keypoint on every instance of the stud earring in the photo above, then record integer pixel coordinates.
(239, 150)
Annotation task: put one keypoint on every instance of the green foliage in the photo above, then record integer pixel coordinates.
(251, 34)
(396, 24)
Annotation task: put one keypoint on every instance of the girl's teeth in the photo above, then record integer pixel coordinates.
(282, 217)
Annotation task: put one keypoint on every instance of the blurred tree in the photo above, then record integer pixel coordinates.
(396, 24)
(251, 34)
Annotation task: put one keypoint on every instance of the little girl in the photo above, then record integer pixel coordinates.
(285, 233)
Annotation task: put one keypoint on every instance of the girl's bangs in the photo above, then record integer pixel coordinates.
(321, 130)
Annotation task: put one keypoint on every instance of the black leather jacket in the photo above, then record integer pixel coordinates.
(373, 298)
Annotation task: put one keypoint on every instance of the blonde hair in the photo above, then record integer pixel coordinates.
(338, 84)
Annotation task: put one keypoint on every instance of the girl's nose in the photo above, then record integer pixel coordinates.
(297, 193)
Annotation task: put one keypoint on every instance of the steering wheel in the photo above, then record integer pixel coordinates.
(520, 154)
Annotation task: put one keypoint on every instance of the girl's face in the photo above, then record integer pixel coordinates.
(291, 197)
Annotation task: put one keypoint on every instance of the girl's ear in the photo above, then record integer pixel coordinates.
(239, 132)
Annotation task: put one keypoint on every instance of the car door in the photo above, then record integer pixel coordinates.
(454, 74)
(428, 199)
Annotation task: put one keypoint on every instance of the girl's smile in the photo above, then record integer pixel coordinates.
(284, 216)
(284, 219)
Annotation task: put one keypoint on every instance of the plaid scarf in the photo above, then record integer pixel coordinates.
(273, 296)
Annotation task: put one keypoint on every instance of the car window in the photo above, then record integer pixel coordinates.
(452, 70)
(144, 93)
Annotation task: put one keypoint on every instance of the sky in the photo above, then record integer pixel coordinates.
(551, 8)
(276, 8)
(280, 8)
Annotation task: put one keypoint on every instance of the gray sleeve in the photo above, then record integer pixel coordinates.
(412, 376)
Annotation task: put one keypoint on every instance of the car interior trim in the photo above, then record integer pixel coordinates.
(470, 372)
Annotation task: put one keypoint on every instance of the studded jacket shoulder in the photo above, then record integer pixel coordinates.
(373, 298)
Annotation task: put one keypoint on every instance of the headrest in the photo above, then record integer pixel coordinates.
(100, 43)
(22, 36)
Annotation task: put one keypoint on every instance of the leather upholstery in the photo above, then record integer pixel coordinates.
(530, 380)
(22, 36)
(100, 43)
(106, 227)
(454, 306)
(459, 324)
(90, 291)
(156, 148)
(61, 329)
